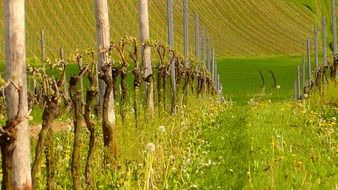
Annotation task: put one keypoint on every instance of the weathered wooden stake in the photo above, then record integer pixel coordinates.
(298, 82)
(204, 49)
(212, 67)
(316, 48)
(334, 33)
(146, 54)
(304, 75)
(65, 87)
(309, 63)
(295, 89)
(172, 59)
(103, 44)
(324, 42)
(16, 149)
(197, 39)
(334, 26)
(43, 49)
(186, 30)
(197, 47)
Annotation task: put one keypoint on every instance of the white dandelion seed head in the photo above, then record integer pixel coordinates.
(278, 87)
(161, 129)
(150, 147)
(306, 96)
(59, 148)
(187, 162)
(172, 157)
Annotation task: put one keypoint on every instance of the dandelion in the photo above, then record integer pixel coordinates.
(306, 96)
(172, 157)
(59, 148)
(161, 129)
(187, 162)
(278, 87)
(150, 147)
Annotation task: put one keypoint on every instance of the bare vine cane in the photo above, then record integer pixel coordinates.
(120, 47)
(91, 95)
(173, 60)
(108, 127)
(52, 105)
(161, 75)
(137, 80)
(76, 97)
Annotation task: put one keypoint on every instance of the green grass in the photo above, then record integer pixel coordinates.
(272, 146)
(241, 79)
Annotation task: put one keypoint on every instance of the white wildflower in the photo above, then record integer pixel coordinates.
(150, 147)
(187, 162)
(278, 87)
(172, 157)
(193, 186)
(59, 148)
(306, 96)
(161, 129)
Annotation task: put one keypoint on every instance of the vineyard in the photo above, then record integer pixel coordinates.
(189, 94)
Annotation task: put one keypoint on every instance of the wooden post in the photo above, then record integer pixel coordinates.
(304, 75)
(65, 87)
(203, 47)
(316, 48)
(103, 43)
(18, 144)
(334, 33)
(334, 27)
(43, 49)
(209, 55)
(172, 66)
(186, 48)
(295, 89)
(324, 41)
(298, 82)
(146, 54)
(212, 63)
(197, 46)
(218, 83)
(309, 63)
(186, 30)
(215, 74)
(197, 39)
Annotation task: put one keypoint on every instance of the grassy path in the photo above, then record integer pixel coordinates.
(229, 148)
(271, 146)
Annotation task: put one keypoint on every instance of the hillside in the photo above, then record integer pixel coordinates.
(236, 27)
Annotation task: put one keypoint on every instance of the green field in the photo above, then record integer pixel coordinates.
(241, 79)
(233, 30)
